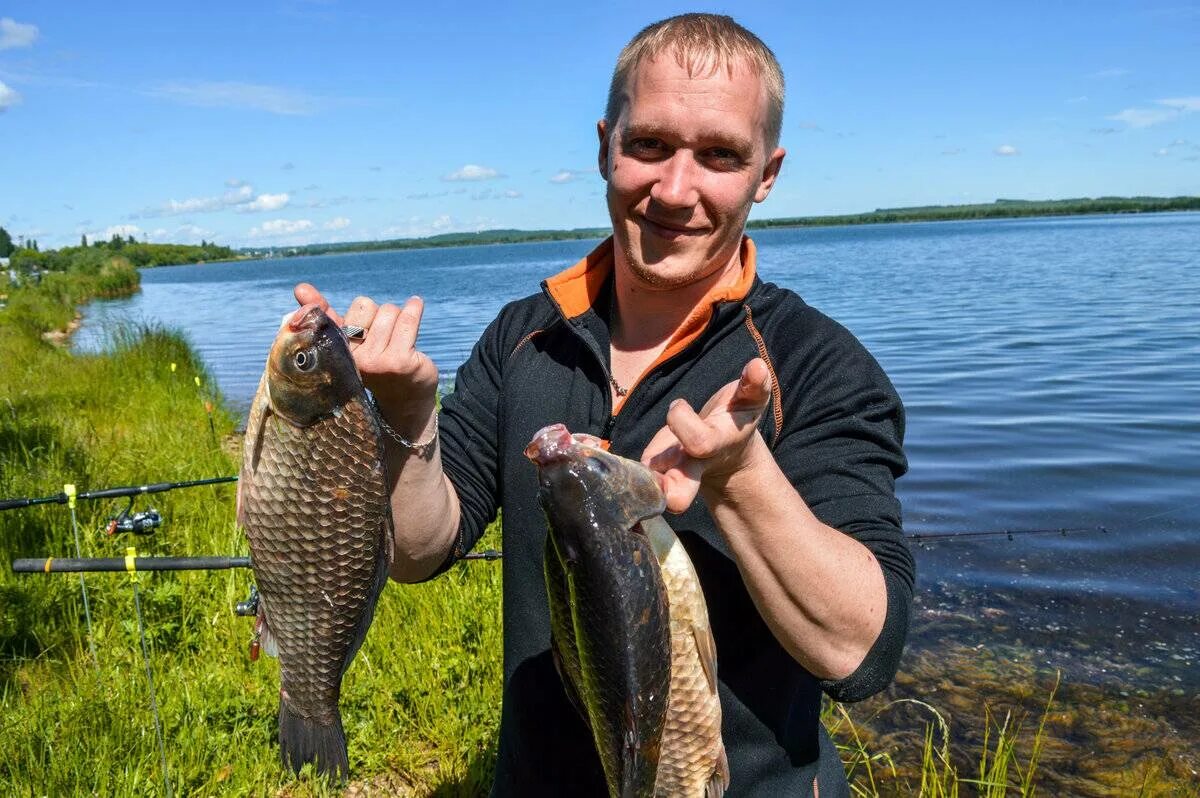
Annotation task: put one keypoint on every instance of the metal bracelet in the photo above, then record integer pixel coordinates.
(422, 448)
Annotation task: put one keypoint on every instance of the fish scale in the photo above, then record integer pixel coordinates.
(313, 499)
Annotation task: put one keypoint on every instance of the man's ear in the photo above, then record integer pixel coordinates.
(602, 157)
(770, 173)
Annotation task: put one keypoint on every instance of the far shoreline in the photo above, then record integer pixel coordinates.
(1000, 209)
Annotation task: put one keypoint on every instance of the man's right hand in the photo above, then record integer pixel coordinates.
(403, 379)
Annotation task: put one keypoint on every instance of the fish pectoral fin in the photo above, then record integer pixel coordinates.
(565, 678)
(266, 639)
(706, 648)
(660, 535)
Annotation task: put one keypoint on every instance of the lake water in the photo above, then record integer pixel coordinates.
(1050, 368)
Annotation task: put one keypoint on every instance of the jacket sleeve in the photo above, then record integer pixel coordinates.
(469, 438)
(841, 447)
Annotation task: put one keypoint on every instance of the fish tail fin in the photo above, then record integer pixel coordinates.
(303, 740)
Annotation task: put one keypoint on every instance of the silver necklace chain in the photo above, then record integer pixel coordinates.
(612, 321)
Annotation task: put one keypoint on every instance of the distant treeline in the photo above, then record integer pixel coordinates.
(140, 254)
(445, 240)
(1000, 209)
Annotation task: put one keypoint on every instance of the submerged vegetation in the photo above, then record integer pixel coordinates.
(421, 701)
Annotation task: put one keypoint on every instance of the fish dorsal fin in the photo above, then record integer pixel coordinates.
(260, 411)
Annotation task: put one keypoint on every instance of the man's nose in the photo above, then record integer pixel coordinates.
(676, 186)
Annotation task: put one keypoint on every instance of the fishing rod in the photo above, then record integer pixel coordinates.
(75, 565)
(919, 537)
(112, 493)
(54, 565)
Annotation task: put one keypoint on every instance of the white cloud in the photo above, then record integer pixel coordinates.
(122, 230)
(473, 172)
(1182, 103)
(953, 151)
(1007, 149)
(340, 223)
(1159, 153)
(571, 175)
(510, 194)
(264, 202)
(235, 182)
(8, 97)
(420, 227)
(280, 227)
(232, 94)
(191, 232)
(1074, 100)
(16, 34)
(1145, 117)
(236, 198)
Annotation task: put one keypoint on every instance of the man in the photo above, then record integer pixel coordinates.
(777, 436)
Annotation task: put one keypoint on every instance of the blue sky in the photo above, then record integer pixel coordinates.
(290, 122)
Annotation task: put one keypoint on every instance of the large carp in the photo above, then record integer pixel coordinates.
(629, 626)
(313, 499)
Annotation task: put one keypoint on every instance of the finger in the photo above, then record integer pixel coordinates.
(681, 485)
(661, 462)
(408, 323)
(754, 387)
(379, 329)
(307, 294)
(361, 313)
(695, 435)
(663, 440)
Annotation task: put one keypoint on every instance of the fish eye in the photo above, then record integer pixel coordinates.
(305, 359)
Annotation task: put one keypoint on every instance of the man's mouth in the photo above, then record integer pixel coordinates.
(669, 229)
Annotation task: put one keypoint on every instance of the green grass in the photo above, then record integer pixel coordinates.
(420, 703)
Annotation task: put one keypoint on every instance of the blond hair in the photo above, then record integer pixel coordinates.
(701, 43)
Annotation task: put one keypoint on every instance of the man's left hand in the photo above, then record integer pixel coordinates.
(696, 449)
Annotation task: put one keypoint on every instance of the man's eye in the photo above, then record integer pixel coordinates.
(645, 146)
(725, 156)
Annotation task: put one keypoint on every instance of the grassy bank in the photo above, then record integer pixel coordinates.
(421, 702)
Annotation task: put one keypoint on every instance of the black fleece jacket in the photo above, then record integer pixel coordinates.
(835, 425)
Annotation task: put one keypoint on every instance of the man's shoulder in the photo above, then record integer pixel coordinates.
(781, 315)
(520, 317)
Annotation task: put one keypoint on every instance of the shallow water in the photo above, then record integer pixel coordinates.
(1050, 369)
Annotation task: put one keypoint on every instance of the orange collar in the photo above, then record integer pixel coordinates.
(575, 291)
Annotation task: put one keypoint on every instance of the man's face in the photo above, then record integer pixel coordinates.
(686, 159)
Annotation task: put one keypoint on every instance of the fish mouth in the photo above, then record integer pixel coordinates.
(555, 444)
(308, 317)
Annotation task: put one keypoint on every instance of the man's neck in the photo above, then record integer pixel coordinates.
(643, 318)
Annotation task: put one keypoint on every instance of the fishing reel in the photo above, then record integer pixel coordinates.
(142, 523)
(249, 607)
